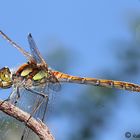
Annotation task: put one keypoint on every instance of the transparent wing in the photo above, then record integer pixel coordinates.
(35, 57)
(34, 51)
(26, 54)
(53, 83)
(54, 86)
(10, 127)
(37, 109)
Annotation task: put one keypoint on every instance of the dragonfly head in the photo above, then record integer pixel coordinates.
(5, 78)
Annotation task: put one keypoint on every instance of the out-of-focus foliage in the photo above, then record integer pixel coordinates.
(88, 110)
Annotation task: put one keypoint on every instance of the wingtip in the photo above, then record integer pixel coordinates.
(30, 35)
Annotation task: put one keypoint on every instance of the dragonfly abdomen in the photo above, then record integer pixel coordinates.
(119, 85)
(97, 82)
(112, 84)
(108, 83)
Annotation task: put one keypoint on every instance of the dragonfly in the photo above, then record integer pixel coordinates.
(39, 73)
(36, 76)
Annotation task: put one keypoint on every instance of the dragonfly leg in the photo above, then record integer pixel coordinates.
(45, 110)
(14, 96)
(39, 103)
(26, 130)
(44, 96)
(17, 96)
(37, 93)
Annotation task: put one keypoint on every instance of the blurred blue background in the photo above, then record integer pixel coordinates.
(86, 38)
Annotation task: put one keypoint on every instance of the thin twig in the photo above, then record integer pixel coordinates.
(37, 126)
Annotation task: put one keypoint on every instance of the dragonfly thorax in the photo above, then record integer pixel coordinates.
(32, 72)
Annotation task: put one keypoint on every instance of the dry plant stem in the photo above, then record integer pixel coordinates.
(37, 126)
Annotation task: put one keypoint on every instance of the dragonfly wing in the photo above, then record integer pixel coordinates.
(28, 133)
(14, 44)
(54, 86)
(53, 83)
(38, 113)
(27, 102)
(10, 128)
(34, 51)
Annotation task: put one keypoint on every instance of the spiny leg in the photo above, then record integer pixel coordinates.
(26, 130)
(46, 105)
(42, 94)
(45, 110)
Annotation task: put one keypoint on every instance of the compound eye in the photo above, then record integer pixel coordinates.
(6, 77)
(5, 74)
